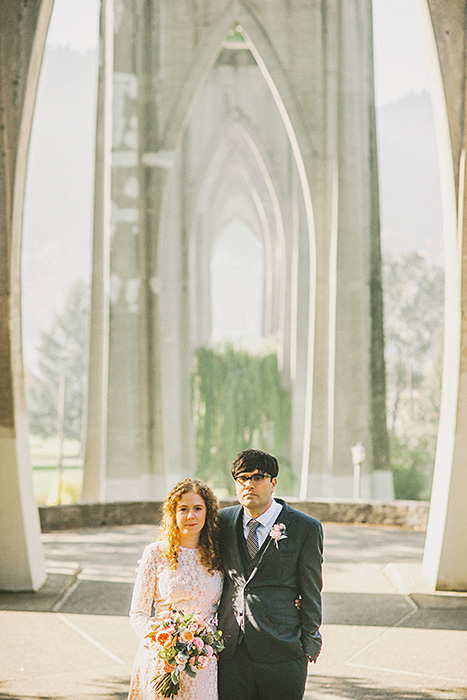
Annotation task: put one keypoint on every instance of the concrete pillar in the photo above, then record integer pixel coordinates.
(445, 556)
(95, 459)
(176, 344)
(23, 30)
(358, 383)
(348, 385)
(124, 440)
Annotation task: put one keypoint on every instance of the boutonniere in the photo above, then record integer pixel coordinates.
(278, 533)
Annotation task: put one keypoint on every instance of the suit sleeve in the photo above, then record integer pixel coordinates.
(310, 584)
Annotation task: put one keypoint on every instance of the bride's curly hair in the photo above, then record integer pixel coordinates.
(208, 539)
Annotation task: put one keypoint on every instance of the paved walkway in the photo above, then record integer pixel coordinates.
(385, 635)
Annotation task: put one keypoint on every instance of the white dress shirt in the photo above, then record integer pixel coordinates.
(266, 521)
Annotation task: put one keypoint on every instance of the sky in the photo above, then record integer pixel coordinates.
(399, 53)
(74, 25)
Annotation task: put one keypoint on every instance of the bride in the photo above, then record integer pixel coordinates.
(180, 571)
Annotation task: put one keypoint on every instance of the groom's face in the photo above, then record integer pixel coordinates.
(255, 493)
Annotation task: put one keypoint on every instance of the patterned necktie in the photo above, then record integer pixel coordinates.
(252, 539)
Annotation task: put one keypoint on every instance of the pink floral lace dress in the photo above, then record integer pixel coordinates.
(190, 588)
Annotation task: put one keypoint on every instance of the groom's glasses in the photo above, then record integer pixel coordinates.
(255, 478)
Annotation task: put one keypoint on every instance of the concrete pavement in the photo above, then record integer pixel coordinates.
(386, 636)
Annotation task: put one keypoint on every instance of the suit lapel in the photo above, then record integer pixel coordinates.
(233, 539)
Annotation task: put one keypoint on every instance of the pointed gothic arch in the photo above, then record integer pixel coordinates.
(447, 18)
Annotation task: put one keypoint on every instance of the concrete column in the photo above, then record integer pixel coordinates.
(445, 556)
(23, 30)
(348, 283)
(125, 464)
(325, 192)
(357, 380)
(179, 456)
(95, 459)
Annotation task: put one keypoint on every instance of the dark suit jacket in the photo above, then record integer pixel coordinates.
(258, 600)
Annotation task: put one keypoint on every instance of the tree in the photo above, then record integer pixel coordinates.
(239, 402)
(62, 351)
(414, 292)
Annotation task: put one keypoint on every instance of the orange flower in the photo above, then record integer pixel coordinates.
(164, 639)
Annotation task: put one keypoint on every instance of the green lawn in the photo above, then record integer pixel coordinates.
(44, 459)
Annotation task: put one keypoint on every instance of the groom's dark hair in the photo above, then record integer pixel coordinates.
(251, 460)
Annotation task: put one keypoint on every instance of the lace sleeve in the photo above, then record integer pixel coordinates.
(143, 593)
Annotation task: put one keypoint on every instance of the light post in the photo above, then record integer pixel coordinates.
(358, 456)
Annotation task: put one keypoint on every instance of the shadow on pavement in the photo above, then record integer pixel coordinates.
(388, 610)
(111, 689)
(349, 545)
(359, 609)
(359, 689)
(73, 596)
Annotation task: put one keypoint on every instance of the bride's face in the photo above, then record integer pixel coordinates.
(190, 514)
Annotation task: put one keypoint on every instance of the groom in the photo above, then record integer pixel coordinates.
(271, 555)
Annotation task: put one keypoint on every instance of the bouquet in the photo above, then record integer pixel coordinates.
(185, 642)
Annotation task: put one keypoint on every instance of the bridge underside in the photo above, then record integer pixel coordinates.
(145, 299)
(223, 124)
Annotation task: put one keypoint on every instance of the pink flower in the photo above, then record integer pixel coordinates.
(170, 629)
(166, 615)
(278, 533)
(193, 627)
(203, 661)
(208, 650)
(198, 643)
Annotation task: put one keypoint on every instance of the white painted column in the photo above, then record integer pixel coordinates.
(22, 39)
(445, 555)
(96, 418)
(22, 566)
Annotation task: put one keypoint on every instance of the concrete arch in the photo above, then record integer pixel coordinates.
(22, 39)
(284, 97)
(20, 30)
(231, 168)
(207, 50)
(261, 46)
(257, 154)
(445, 33)
(215, 175)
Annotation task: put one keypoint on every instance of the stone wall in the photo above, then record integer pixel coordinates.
(406, 514)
